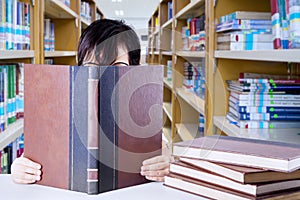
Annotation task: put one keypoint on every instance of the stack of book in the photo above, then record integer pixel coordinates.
(264, 101)
(243, 30)
(49, 35)
(221, 167)
(11, 94)
(193, 35)
(14, 25)
(194, 77)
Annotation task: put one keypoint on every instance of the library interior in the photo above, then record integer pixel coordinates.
(160, 99)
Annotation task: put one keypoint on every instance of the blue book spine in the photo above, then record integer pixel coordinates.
(268, 109)
(170, 10)
(19, 26)
(270, 116)
(9, 24)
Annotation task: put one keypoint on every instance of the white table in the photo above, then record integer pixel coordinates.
(154, 190)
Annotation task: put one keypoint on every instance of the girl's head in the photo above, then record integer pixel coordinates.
(108, 42)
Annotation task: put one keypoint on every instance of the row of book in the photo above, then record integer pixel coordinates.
(194, 77)
(286, 23)
(223, 167)
(85, 11)
(169, 70)
(264, 101)
(201, 125)
(11, 94)
(243, 30)
(193, 35)
(66, 2)
(10, 153)
(14, 25)
(49, 35)
(49, 61)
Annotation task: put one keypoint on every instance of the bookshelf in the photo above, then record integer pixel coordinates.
(11, 133)
(219, 67)
(66, 20)
(187, 131)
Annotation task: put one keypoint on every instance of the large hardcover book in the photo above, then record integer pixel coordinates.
(91, 127)
(215, 179)
(245, 15)
(241, 174)
(277, 156)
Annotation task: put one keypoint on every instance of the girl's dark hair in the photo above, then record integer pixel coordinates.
(102, 39)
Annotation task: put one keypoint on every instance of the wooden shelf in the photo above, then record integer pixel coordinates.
(156, 53)
(167, 25)
(191, 10)
(289, 55)
(16, 54)
(187, 131)
(167, 132)
(51, 54)
(84, 23)
(11, 133)
(168, 83)
(192, 99)
(191, 54)
(57, 9)
(283, 135)
(167, 107)
(167, 53)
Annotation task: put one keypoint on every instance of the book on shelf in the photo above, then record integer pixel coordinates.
(245, 15)
(235, 25)
(242, 174)
(11, 94)
(96, 122)
(243, 96)
(66, 2)
(246, 37)
(254, 189)
(275, 156)
(170, 10)
(85, 11)
(10, 153)
(14, 25)
(204, 189)
(241, 46)
(259, 124)
(49, 35)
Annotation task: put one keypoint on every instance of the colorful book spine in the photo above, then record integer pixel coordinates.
(267, 109)
(2, 24)
(276, 30)
(2, 115)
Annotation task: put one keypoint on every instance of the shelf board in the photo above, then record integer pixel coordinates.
(166, 53)
(84, 23)
(167, 132)
(57, 9)
(193, 9)
(191, 54)
(168, 83)
(51, 54)
(288, 55)
(187, 131)
(16, 54)
(156, 53)
(167, 107)
(168, 24)
(192, 99)
(156, 32)
(283, 135)
(11, 133)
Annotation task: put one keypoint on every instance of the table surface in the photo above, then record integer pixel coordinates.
(154, 190)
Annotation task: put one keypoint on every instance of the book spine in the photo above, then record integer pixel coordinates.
(93, 142)
(269, 116)
(276, 31)
(2, 24)
(267, 109)
(294, 23)
(2, 121)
